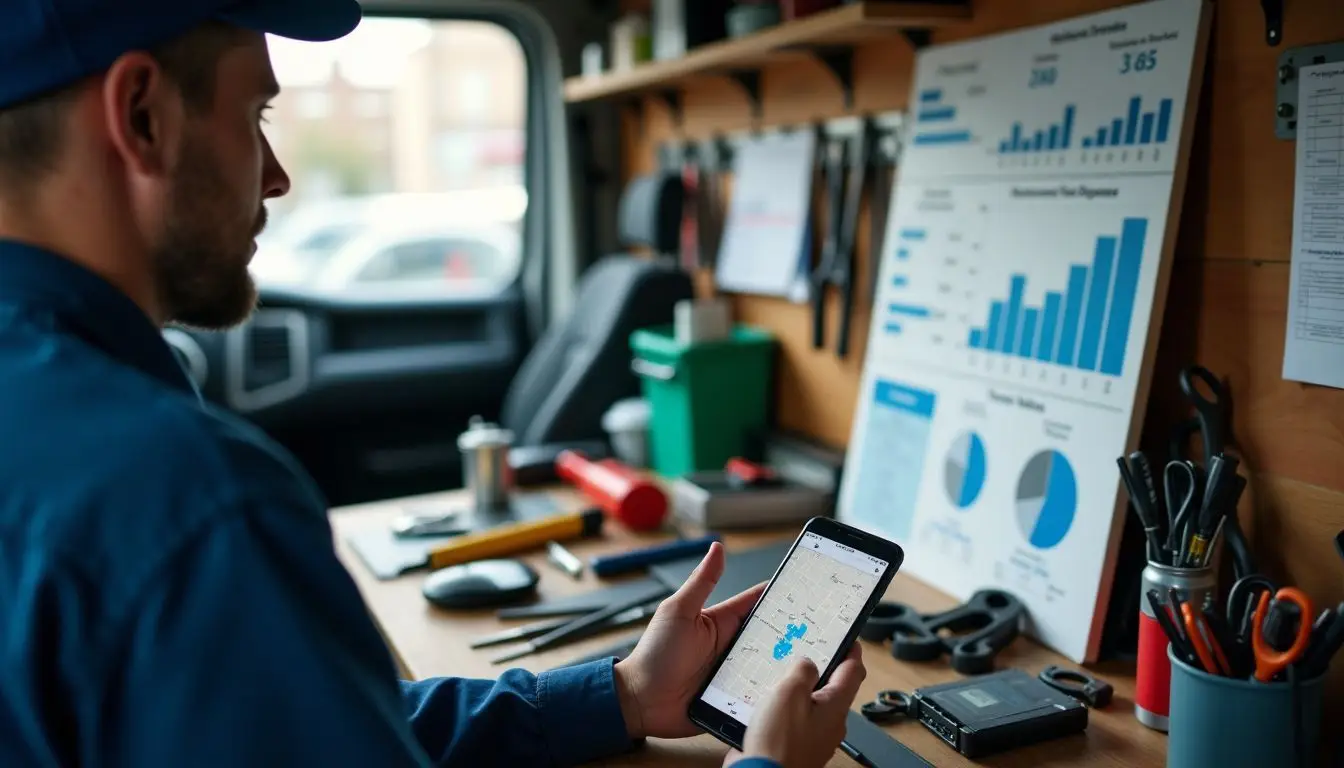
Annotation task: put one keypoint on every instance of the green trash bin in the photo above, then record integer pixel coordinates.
(708, 399)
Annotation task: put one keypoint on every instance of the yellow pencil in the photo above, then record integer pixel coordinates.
(516, 537)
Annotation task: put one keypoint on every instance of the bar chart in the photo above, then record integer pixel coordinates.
(908, 238)
(1052, 138)
(1134, 127)
(1086, 324)
(934, 117)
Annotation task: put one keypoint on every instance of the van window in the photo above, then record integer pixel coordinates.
(405, 143)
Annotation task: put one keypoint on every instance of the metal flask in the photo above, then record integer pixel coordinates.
(485, 464)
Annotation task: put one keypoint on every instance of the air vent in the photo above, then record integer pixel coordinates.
(268, 359)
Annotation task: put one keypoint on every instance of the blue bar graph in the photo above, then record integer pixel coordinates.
(1073, 311)
(1163, 120)
(902, 253)
(931, 95)
(1132, 235)
(899, 281)
(1014, 308)
(991, 336)
(1132, 126)
(937, 114)
(1045, 349)
(913, 234)
(947, 137)
(1087, 142)
(1085, 326)
(893, 328)
(1027, 339)
(1051, 138)
(1094, 317)
(1135, 127)
(908, 309)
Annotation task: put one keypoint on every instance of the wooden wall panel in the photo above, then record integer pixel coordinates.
(1228, 298)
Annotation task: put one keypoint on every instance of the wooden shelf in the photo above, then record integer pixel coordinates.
(839, 28)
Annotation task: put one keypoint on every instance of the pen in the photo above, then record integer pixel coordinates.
(516, 537)
(635, 559)
(1139, 499)
(859, 757)
(562, 558)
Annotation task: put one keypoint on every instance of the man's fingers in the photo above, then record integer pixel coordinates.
(693, 594)
(728, 615)
(800, 679)
(843, 686)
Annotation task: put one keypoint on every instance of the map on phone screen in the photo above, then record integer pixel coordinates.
(807, 611)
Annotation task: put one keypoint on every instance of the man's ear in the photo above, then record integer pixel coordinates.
(143, 113)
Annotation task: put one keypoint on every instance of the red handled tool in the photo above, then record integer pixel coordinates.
(622, 493)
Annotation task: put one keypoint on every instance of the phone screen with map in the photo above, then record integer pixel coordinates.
(819, 597)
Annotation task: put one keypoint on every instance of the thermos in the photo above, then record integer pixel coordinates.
(485, 464)
(1152, 680)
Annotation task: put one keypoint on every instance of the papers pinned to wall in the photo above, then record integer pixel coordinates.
(766, 247)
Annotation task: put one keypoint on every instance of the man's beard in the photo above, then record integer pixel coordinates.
(201, 260)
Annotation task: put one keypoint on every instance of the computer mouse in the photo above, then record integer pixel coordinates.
(482, 584)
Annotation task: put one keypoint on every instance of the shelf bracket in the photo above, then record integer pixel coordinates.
(671, 97)
(750, 82)
(918, 38)
(840, 61)
(1273, 21)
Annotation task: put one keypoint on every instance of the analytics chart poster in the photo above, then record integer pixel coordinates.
(1022, 261)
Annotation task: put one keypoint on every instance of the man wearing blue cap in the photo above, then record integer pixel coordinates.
(168, 589)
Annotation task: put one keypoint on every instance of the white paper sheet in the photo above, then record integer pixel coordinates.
(1314, 350)
(765, 238)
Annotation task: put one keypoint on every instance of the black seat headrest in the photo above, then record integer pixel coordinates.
(650, 212)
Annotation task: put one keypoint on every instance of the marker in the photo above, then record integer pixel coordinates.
(516, 537)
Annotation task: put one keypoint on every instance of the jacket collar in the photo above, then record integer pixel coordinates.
(84, 302)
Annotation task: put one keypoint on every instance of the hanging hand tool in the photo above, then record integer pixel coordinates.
(885, 148)
(844, 194)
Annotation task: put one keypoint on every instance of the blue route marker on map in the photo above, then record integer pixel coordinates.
(785, 645)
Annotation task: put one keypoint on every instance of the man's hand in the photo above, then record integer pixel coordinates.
(798, 727)
(657, 681)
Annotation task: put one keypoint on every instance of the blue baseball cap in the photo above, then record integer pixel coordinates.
(48, 44)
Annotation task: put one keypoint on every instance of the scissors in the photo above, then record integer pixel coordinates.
(1208, 649)
(1181, 482)
(1269, 661)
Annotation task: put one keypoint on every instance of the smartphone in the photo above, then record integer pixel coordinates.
(822, 592)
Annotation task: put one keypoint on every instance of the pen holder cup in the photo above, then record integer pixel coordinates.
(1152, 677)
(1228, 721)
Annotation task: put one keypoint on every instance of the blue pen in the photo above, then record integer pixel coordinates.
(634, 560)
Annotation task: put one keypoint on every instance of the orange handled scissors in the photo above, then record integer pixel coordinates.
(1269, 661)
(1202, 638)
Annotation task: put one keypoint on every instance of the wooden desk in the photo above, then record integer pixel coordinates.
(429, 642)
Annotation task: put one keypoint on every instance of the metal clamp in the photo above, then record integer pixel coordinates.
(1285, 95)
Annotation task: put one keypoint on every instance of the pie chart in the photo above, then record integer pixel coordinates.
(1047, 499)
(964, 470)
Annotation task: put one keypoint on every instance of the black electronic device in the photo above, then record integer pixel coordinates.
(792, 618)
(999, 711)
(482, 584)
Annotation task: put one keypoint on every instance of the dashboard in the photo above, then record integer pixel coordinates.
(302, 357)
